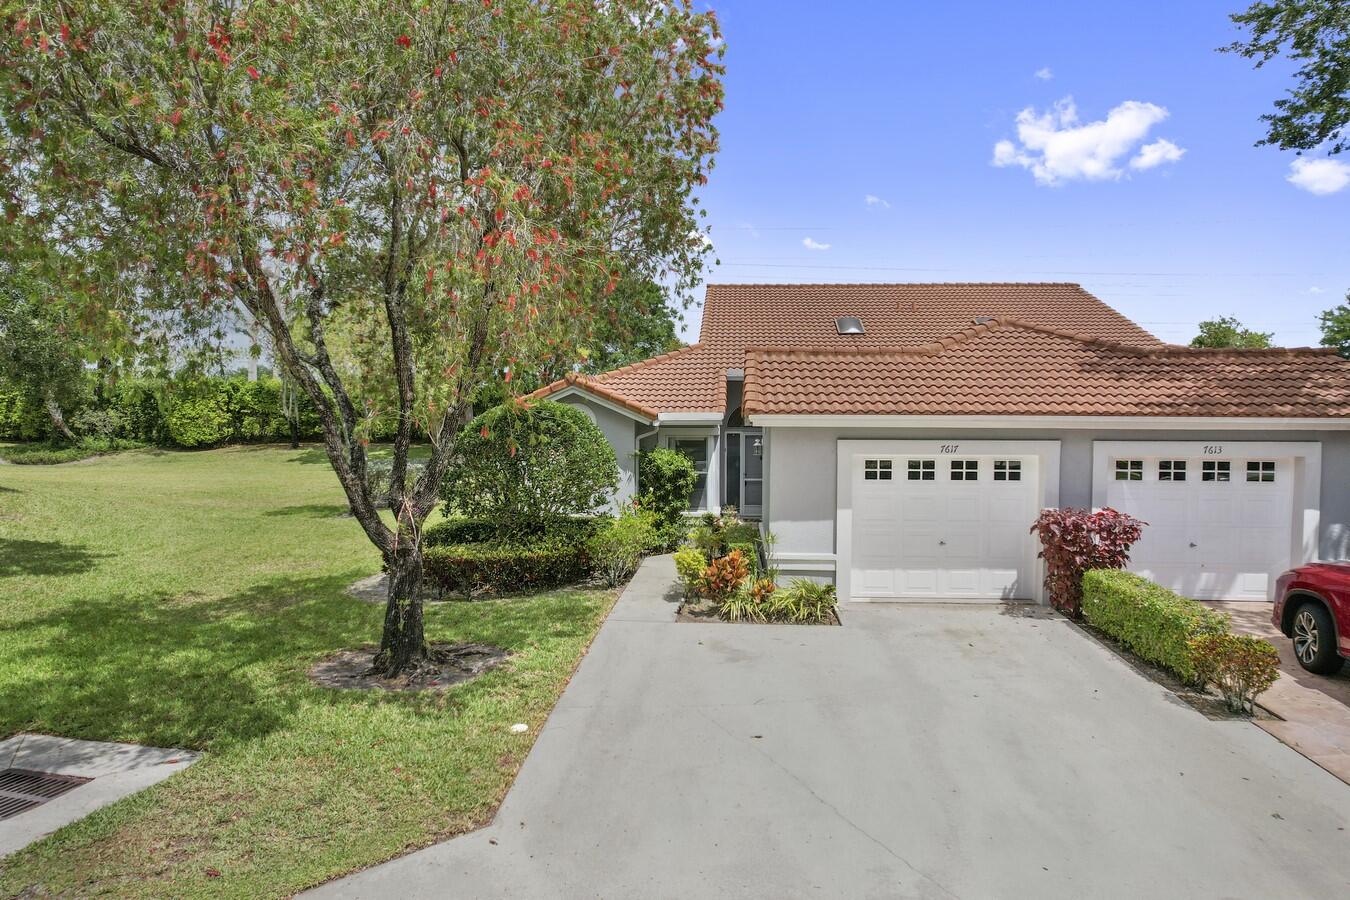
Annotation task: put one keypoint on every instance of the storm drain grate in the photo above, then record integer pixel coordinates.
(23, 789)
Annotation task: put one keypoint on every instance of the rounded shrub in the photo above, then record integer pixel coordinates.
(521, 463)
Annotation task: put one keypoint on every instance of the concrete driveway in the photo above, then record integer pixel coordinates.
(918, 751)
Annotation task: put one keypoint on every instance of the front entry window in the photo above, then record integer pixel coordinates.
(697, 451)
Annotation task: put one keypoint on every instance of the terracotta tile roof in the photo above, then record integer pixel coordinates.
(591, 384)
(1048, 349)
(897, 315)
(1012, 367)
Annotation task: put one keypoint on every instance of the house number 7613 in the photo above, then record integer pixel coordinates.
(1213, 449)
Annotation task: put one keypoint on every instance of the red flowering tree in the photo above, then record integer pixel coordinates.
(413, 197)
(1076, 540)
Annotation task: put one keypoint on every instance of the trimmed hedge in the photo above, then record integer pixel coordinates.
(468, 569)
(574, 531)
(1156, 624)
(471, 556)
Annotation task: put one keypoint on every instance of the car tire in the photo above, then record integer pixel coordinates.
(1314, 637)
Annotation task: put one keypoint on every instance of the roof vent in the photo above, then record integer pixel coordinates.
(983, 320)
(849, 325)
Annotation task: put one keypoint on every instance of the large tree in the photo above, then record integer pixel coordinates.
(1335, 324)
(1315, 36)
(414, 197)
(1226, 331)
(41, 353)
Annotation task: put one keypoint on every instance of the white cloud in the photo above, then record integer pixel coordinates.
(1319, 176)
(814, 245)
(1044, 73)
(1055, 147)
(749, 228)
(874, 200)
(1316, 290)
(700, 237)
(1155, 154)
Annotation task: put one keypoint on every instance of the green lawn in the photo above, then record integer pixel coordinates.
(176, 599)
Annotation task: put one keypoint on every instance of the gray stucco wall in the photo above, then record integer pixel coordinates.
(621, 431)
(800, 502)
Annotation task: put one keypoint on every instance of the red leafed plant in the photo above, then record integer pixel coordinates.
(1076, 540)
(723, 576)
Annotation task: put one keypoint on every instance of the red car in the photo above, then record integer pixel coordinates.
(1312, 606)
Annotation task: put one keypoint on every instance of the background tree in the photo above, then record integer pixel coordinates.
(414, 197)
(638, 323)
(1315, 35)
(1336, 327)
(1227, 331)
(41, 355)
(633, 322)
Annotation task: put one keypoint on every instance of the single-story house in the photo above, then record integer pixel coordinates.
(899, 439)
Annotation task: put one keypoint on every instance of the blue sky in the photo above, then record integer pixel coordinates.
(905, 102)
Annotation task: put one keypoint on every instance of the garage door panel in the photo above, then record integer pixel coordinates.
(875, 582)
(964, 509)
(1208, 539)
(948, 539)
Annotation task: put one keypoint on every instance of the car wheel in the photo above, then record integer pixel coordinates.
(1315, 640)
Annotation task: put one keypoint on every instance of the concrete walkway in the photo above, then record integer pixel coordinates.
(1313, 710)
(917, 751)
(116, 770)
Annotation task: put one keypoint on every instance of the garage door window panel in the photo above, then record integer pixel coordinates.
(965, 470)
(877, 470)
(1261, 471)
(1171, 470)
(1216, 470)
(921, 469)
(1007, 470)
(1129, 470)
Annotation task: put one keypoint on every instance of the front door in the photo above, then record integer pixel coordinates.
(745, 472)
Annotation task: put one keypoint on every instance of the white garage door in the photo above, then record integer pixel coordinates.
(1219, 528)
(943, 528)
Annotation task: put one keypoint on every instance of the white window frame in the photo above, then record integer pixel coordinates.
(713, 488)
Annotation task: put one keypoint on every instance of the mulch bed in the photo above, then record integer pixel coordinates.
(446, 666)
(704, 613)
(1204, 701)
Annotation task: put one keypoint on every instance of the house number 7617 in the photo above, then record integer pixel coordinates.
(949, 448)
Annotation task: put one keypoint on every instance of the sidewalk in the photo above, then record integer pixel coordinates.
(1314, 709)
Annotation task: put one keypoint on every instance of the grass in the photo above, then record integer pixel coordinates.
(177, 599)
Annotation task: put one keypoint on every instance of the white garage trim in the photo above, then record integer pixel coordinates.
(847, 451)
(1306, 458)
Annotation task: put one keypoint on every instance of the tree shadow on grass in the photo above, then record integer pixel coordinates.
(178, 672)
(311, 510)
(311, 456)
(20, 557)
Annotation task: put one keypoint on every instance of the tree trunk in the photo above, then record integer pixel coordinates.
(403, 640)
(59, 421)
(295, 433)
